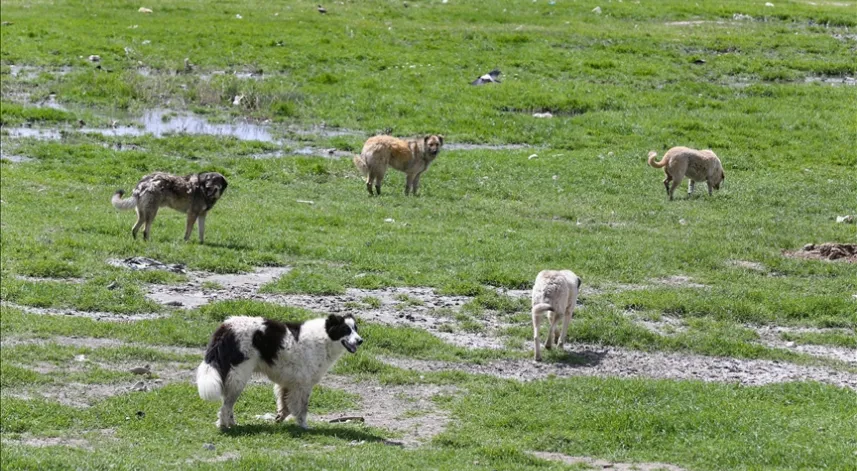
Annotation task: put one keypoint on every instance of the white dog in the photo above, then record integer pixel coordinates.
(294, 356)
(555, 292)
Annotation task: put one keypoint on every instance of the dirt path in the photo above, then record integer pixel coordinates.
(621, 363)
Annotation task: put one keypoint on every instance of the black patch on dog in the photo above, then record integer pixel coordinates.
(336, 327)
(223, 352)
(270, 342)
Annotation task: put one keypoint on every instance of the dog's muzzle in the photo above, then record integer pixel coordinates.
(351, 346)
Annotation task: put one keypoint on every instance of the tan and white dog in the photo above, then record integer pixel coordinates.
(697, 165)
(412, 156)
(555, 292)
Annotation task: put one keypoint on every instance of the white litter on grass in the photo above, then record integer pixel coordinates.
(237, 100)
(546, 114)
(556, 177)
(238, 17)
(306, 201)
(596, 10)
(769, 4)
(532, 156)
(389, 220)
(144, 10)
(846, 219)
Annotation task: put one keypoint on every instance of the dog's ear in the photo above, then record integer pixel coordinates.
(336, 327)
(425, 141)
(440, 136)
(722, 175)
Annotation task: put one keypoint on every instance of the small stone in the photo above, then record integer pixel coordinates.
(80, 358)
(141, 370)
(140, 386)
(682, 221)
(596, 10)
(208, 446)
(790, 344)
(94, 58)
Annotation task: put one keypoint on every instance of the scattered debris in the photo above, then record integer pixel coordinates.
(699, 61)
(546, 114)
(769, 4)
(389, 220)
(682, 221)
(144, 10)
(305, 201)
(742, 17)
(346, 419)
(826, 251)
(596, 10)
(80, 358)
(208, 446)
(238, 16)
(140, 386)
(237, 100)
(145, 263)
(533, 156)
(589, 462)
(321, 10)
(113, 285)
(141, 370)
(490, 77)
(846, 219)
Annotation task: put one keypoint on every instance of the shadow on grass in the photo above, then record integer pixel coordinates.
(342, 433)
(228, 245)
(572, 359)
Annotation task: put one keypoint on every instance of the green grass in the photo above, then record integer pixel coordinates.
(618, 84)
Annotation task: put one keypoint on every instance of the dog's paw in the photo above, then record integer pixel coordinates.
(281, 416)
(538, 358)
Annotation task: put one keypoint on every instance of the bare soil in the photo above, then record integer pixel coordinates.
(826, 251)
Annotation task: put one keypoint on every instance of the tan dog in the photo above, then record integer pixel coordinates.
(697, 165)
(555, 292)
(411, 156)
(194, 194)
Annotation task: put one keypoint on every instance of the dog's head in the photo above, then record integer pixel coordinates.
(433, 143)
(718, 179)
(343, 330)
(212, 185)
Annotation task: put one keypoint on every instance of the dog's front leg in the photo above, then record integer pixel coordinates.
(416, 186)
(200, 221)
(409, 184)
(298, 403)
(690, 187)
(191, 219)
(708, 182)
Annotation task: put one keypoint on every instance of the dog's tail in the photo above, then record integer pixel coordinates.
(119, 203)
(652, 156)
(361, 165)
(542, 307)
(208, 382)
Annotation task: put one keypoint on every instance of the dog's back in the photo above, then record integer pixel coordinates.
(553, 289)
(387, 150)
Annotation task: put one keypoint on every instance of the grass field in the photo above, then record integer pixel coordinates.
(699, 343)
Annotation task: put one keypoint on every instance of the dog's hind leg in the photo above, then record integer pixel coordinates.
(232, 388)
(141, 218)
(537, 320)
(566, 319)
(708, 182)
(298, 402)
(667, 181)
(553, 317)
(150, 218)
(675, 183)
(282, 395)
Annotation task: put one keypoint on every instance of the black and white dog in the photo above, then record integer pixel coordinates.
(294, 356)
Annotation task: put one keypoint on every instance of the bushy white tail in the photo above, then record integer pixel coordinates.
(119, 203)
(542, 307)
(208, 382)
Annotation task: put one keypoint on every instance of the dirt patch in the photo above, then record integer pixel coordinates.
(412, 307)
(603, 464)
(771, 336)
(406, 409)
(833, 81)
(101, 316)
(145, 263)
(590, 360)
(747, 265)
(679, 281)
(203, 288)
(40, 442)
(826, 251)
(695, 23)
